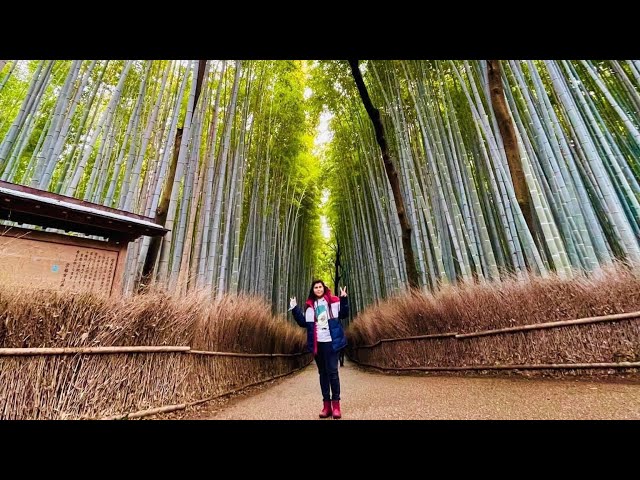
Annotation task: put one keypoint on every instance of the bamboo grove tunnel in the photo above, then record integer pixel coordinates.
(503, 192)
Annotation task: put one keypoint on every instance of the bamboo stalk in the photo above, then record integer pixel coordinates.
(416, 337)
(562, 323)
(132, 349)
(580, 321)
(515, 367)
(150, 411)
(233, 354)
(90, 350)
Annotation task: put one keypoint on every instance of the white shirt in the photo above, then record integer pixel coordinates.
(321, 312)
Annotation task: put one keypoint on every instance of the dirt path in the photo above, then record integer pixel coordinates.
(375, 396)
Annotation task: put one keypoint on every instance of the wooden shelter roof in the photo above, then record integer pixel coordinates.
(27, 205)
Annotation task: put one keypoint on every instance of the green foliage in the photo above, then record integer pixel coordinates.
(324, 268)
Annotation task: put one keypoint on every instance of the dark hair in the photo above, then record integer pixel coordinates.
(312, 296)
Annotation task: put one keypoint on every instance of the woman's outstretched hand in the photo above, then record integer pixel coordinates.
(343, 291)
(292, 303)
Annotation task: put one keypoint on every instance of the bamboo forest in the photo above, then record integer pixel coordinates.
(394, 178)
(245, 191)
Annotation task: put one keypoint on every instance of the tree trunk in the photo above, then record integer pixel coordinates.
(507, 130)
(161, 215)
(163, 206)
(392, 175)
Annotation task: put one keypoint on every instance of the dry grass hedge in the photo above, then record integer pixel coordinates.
(487, 306)
(95, 386)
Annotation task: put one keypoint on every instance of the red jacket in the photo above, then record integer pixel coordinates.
(338, 339)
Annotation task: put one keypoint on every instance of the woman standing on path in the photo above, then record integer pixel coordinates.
(325, 338)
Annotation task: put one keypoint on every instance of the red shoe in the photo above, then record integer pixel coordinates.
(326, 410)
(335, 404)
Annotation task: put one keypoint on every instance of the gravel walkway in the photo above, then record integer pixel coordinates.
(376, 396)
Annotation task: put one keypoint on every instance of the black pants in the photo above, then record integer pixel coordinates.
(327, 362)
